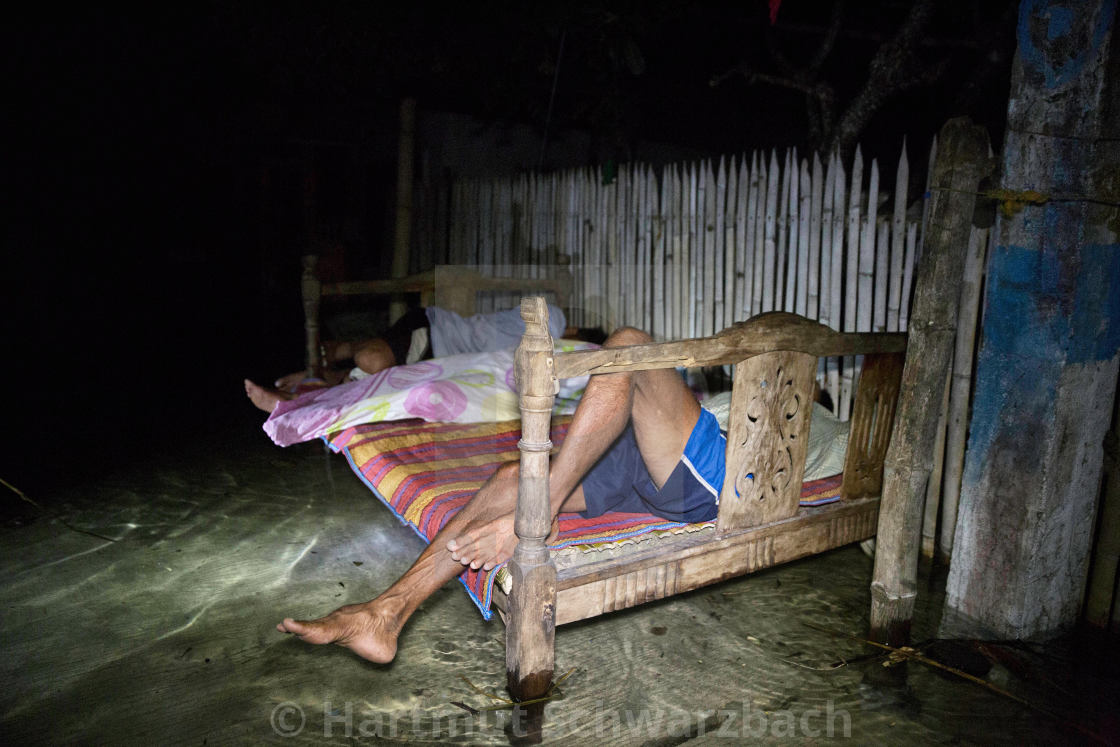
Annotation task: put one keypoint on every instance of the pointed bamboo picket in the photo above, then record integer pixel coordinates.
(688, 250)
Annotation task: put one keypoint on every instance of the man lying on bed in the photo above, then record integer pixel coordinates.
(638, 442)
(418, 335)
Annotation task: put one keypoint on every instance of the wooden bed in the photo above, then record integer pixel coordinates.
(760, 523)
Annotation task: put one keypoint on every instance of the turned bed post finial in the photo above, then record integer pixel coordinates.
(312, 290)
(531, 627)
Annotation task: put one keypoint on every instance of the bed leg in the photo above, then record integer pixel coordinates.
(531, 627)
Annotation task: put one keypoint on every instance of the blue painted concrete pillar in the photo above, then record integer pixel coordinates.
(1047, 364)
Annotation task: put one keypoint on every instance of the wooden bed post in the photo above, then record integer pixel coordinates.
(312, 290)
(531, 627)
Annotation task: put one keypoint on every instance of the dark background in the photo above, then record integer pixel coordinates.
(145, 277)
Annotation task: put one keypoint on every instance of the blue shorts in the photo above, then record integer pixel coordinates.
(619, 481)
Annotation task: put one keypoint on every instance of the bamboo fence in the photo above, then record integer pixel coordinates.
(688, 250)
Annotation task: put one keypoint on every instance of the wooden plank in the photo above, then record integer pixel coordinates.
(762, 334)
(963, 161)
(688, 561)
(871, 424)
(767, 439)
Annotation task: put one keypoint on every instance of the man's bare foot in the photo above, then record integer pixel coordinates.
(488, 544)
(358, 627)
(264, 398)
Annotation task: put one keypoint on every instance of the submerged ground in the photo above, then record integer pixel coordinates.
(161, 630)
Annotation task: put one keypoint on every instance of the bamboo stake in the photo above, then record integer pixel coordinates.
(743, 242)
(907, 276)
(826, 218)
(838, 217)
(823, 230)
(756, 220)
(961, 387)
(804, 216)
(730, 227)
(770, 246)
(706, 216)
(865, 289)
(851, 280)
(898, 237)
(933, 485)
(882, 267)
(677, 329)
(718, 244)
(787, 241)
(813, 295)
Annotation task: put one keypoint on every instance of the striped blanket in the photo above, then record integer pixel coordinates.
(425, 472)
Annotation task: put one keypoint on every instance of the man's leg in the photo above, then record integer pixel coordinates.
(663, 412)
(371, 629)
(482, 534)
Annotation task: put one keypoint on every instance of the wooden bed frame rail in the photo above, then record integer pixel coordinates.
(451, 287)
(759, 522)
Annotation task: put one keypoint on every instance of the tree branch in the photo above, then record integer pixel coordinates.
(831, 34)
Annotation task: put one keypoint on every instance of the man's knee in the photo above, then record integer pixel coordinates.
(627, 336)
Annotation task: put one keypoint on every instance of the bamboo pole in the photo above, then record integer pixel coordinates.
(960, 387)
(797, 291)
(932, 497)
(838, 217)
(759, 186)
(813, 292)
(882, 281)
(851, 280)
(730, 228)
(707, 216)
(898, 239)
(769, 262)
(907, 275)
(718, 244)
(828, 212)
(743, 242)
(787, 241)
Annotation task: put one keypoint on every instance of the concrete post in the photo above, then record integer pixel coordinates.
(1047, 365)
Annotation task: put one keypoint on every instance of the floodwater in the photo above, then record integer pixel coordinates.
(161, 630)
